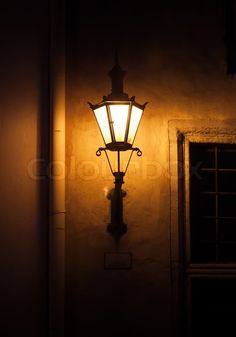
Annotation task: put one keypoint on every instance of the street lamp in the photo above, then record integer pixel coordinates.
(118, 118)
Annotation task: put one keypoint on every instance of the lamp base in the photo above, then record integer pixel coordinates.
(117, 230)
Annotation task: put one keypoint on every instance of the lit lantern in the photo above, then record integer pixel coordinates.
(118, 118)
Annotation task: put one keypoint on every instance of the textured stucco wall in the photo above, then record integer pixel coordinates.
(175, 59)
(23, 208)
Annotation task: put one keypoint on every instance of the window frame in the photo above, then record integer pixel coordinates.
(225, 139)
(219, 193)
(181, 133)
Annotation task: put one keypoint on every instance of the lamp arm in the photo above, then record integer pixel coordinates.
(133, 149)
(117, 227)
(98, 154)
(139, 154)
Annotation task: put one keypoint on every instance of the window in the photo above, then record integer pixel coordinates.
(212, 236)
(203, 226)
(212, 202)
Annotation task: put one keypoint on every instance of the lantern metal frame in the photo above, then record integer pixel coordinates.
(118, 145)
(117, 97)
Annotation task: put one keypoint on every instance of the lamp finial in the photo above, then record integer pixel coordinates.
(117, 75)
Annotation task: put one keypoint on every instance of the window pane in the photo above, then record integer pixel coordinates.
(203, 240)
(227, 230)
(204, 230)
(227, 181)
(203, 252)
(227, 156)
(213, 307)
(203, 181)
(227, 205)
(202, 155)
(203, 205)
(227, 252)
(213, 203)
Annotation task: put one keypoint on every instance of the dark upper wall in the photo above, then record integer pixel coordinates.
(23, 128)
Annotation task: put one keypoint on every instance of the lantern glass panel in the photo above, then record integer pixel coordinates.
(119, 117)
(136, 115)
(102, 119)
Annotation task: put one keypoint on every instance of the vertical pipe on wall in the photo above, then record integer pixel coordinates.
(57, 170)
